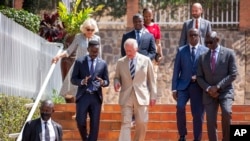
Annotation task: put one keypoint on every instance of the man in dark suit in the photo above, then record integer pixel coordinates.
(185, 86)
(216, 72)
(204, 26)
(90, 74)
(145, 40)
(43, 128)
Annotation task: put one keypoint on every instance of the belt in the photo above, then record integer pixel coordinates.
(193, 80)
(91, 92)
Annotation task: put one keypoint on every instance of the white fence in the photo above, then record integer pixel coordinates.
(221, 14)
(25, 59)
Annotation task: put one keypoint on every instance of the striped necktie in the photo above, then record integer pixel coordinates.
(132, 69)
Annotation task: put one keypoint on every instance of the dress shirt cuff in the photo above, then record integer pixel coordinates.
(82, 82)
(208, 88)
(174, 90)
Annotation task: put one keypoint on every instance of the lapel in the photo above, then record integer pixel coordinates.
(187, 51)
(55, 130)
(39, 128)
(126, 66)
(219, 57)
(86, 65)
(143, 33)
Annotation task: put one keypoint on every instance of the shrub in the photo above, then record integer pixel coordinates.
(24, 18)
(13, 114)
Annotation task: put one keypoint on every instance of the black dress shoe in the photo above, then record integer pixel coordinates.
(182, 138)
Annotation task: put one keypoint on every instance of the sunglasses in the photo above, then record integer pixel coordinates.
(209, 42)
(191, 35)
(88, 29)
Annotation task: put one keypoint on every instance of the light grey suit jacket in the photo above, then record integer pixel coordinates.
(143, 83)
(204, 28)
(223, 76)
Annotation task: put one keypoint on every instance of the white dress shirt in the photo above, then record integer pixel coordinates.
(51, 130)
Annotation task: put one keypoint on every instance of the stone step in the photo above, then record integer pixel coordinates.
(161, 126)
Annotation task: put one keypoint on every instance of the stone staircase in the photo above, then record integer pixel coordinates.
(161, 126)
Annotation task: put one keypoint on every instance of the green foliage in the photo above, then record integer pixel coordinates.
(72, 20)
(56, 98)
(30, 5)
(13, 115)
(24, 18)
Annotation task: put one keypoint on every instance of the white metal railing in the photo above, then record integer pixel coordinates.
(25, 65)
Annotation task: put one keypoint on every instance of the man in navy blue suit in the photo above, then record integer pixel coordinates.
(90, 74)
(145, 40)
(185, 86)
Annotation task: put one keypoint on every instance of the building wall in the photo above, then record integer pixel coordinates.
(111, 42)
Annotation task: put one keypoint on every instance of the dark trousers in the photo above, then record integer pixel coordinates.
(194, 93)
(88, 104)
(211, 115)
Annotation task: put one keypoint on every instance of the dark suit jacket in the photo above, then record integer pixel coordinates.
(205, 27)
(184, 68)
(147, 44)
(33, 130)
(223, 76)
(81, 70)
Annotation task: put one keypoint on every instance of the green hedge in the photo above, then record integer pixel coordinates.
(24, 18)
(13, 115)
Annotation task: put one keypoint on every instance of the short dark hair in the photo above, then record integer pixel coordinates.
(93, 43)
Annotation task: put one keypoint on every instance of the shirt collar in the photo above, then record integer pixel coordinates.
(43, 121)
(89, 59)
(196, 46)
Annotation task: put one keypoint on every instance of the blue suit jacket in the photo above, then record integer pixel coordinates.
(204, 29)
(81, 70)
(184, 68)
(146, 46)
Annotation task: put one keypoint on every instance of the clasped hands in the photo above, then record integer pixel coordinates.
(213, 91)
(86, 79)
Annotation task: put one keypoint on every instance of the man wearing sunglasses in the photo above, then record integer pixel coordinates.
(185, 86)
(216, 72)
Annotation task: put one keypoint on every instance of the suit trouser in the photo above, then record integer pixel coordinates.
(194, 93)
(88, 104)
(141, 119)
(211, 115)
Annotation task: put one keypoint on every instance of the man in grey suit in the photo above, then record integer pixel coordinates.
(185, 86)
(145, 40)
(215, 74)
(204, 26)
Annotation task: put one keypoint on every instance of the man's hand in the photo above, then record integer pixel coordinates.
(175, 95)
(213, 91)
(152, 102)
(117, 86)
(100, 80)
(85, 80)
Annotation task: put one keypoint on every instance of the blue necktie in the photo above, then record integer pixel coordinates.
(138, 38)
(91, 87)
(193, 54)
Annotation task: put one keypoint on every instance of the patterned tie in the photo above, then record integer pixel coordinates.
(138, 37)
(47, 137)
(213, 60)
(132, 69)
(193, 54)
(196, 24)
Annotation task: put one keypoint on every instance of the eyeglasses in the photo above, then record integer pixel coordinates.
(88, 29)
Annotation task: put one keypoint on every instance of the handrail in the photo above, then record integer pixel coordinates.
(38, 98)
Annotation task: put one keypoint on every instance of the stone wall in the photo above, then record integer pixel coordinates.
(111, 42)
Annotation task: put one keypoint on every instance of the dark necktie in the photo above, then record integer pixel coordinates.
(138, 37)
(132, 69)
(213, 60)
(47, 137)
(92, 70)
(193, 54)
(196, 23)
